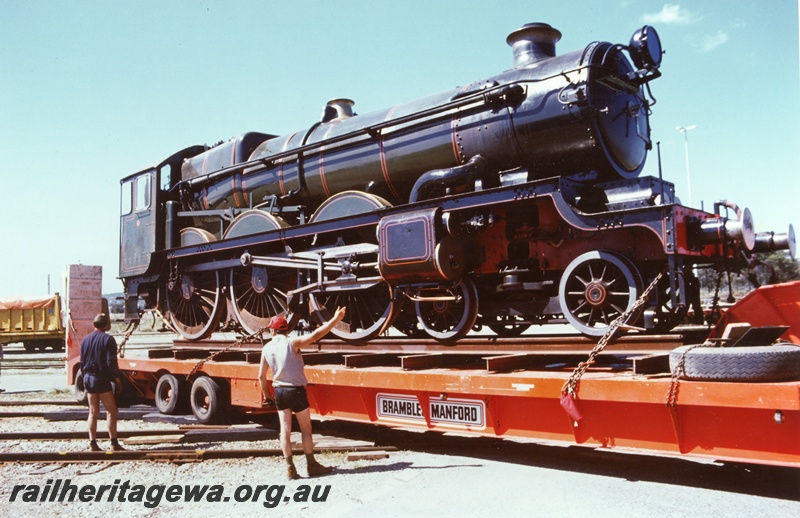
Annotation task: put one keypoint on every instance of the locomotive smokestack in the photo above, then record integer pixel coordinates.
(533, 42)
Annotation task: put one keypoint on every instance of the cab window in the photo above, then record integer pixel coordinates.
(126, 202)
(143, 193)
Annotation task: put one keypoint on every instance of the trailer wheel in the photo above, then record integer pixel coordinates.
(758, 363)
(169, 393)
(208, 405)
(80, 390)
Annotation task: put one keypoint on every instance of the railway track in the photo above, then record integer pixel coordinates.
(62, 436)
(643, 353)
(170, 455)
(485, 344)
(32, 365)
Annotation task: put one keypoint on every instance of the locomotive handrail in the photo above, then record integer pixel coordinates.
(373, 131)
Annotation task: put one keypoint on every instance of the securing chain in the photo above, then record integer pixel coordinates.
(571, 384)
(715, 309)
(134, 324)
(128, 332)
(680, 370)
(257, 336)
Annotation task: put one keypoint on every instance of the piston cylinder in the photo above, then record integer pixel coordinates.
(415, 247)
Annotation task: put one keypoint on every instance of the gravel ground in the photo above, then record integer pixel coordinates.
(429, 474)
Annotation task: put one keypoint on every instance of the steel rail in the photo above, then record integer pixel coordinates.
(487, 344)
(41, 402)
(175, 455)
(58, 436)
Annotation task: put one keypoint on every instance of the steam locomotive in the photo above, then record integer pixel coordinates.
(511, 201)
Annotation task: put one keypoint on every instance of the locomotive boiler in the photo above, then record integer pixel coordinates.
(554, 115)
(511, 201)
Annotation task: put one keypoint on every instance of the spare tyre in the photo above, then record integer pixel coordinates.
(780, 362)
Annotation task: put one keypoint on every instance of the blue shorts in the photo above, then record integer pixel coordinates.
(94, 385)
(293, 398)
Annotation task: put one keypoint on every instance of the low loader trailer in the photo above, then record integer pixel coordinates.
(734, 396)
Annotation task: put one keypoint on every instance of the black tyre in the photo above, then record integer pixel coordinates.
(169, 394)
(30, 347)
(207, 401)
(760, 363)
(80, 390)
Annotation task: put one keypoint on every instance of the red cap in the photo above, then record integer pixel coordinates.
(279, 323)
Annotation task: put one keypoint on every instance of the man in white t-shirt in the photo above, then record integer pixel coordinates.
(282, 356)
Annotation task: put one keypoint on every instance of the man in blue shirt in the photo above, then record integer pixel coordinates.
(99, 369)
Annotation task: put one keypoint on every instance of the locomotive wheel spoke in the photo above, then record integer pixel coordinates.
(258, 294)
(195, 304)
(447, 321)
(369, 311)
(612, 287)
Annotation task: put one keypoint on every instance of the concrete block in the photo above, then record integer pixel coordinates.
(83, 271)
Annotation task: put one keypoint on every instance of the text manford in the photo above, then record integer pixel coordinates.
(462, 413)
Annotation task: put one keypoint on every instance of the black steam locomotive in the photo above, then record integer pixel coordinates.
(511, 201)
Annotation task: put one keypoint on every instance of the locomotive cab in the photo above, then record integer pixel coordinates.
(144, 224)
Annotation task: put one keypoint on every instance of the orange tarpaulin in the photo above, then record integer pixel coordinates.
(27, 302)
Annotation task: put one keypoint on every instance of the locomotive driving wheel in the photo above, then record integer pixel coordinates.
(369, 310)
(195, 304)
(451, 316)
(596, 288)
(372, 309)
(259, 293)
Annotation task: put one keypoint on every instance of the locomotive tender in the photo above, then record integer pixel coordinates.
(511, 201)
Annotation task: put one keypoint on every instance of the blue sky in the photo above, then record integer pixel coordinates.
(92, 91)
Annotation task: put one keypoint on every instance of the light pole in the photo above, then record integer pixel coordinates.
(685, 131)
